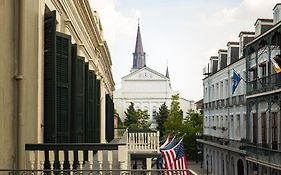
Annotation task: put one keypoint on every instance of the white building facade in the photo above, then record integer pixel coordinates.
(225, 112)
(146, 88)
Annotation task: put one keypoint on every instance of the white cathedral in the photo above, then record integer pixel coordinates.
(146, 88)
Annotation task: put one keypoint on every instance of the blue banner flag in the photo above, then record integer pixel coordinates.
(235, 81)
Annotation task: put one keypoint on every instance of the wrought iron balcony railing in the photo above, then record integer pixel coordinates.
(264, 84)
(92, 172)
(263, 154)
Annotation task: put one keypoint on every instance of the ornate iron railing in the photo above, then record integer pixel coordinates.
(92, 172)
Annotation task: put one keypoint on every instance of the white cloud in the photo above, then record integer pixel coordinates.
(115, 22)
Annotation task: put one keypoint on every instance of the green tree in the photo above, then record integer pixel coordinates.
(131, 115)
(143, 118)
(193, 127)
(175, 119)
(136, 118)
(161, 118)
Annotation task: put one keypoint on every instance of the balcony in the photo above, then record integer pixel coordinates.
(227, 102)
(265, 155)
(241, 99)
(264, 84)
(91, 157)
(143, 141)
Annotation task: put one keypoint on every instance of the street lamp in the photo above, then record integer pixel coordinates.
(207, 157)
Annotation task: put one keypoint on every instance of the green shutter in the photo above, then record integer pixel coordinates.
(91, 106)
(97, 112)
(109, 118)
(50, 131)
(78, 94)
(86, 101)
(63, 86)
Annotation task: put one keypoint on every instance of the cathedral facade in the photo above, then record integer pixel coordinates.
(146, 88)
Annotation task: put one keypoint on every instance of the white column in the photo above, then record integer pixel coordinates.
(102, 112)
(123, 157)
(148, 165)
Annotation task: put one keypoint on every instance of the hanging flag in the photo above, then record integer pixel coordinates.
(166, 142)
(174, 159)
(275, 65)
(235, 81)
(170, 145)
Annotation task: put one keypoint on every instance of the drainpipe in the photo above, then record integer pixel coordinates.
(18, 78)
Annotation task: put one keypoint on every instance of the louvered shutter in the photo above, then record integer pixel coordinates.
(63, 78)
(97, 116)
(91, 106)
(86, 102)
(78, 94)
(109, 118)
(50, 131)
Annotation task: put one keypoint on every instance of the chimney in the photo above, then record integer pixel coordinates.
(232, 52)
(277, 13)
(262, 25)
(222, 60)
(214, 64)
(244, 38)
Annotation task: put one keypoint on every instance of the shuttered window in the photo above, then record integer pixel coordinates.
(91, 106)
(109, 118)
(57, 83)
(97, 115)
(78, 95)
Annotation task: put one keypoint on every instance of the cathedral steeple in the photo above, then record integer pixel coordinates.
(167, 73)
(139, 54)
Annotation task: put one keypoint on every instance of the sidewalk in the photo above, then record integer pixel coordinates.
(196, 169)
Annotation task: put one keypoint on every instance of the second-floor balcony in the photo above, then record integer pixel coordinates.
(265, 155)
(94, 157)
(264, 84)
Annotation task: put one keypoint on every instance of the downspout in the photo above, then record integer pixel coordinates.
(18, 78)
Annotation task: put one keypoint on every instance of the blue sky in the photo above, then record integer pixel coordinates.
(184, 33)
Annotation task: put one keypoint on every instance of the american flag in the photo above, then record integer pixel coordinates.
(174, 159)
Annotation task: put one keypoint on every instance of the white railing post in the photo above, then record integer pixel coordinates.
(110, 160)
(123, 157)
(42, 159)
(90, 159)
(31, 156)
(61, 160)
(157, 142)
(100, 159)
(52, 160)
(80, 160)
(71, 160)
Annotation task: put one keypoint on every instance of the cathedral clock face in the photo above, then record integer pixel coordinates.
(147, 75)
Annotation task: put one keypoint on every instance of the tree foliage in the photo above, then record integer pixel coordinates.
(161, 118)
(175, 117)
(193, 127)
(136, 118)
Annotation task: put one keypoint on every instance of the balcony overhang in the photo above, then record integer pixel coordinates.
(225, 147)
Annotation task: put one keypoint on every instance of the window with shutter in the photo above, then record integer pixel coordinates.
(86, 102)
(97, 112)
(91, 106)
(78, 94)
(63, 86)
(57, 82)
(109, 118)
(50, 131)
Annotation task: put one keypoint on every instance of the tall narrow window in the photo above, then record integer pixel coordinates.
(274, 131)
(254, 128)
(263, 128)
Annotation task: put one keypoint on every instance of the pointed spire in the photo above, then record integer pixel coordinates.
(138, 48)
(139, 54)
(167, 73)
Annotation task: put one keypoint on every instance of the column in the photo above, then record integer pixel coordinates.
(102, 112)
(269, 123)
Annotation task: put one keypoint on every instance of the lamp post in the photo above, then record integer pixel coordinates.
(207, 157)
